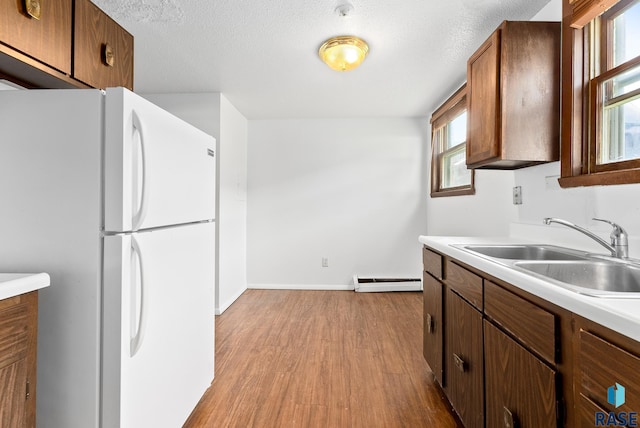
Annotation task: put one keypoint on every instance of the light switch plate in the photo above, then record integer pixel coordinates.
(517, 195)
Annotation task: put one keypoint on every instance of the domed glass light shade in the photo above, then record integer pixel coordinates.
(343, 53)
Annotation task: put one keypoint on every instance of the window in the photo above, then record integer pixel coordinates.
(601, 92)
(449, 173)
(616, 89)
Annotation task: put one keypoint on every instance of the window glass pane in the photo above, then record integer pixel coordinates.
(626, 35)
(457, 131)
(620, 118)
(454, 168)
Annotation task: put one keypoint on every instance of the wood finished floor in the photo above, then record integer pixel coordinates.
(321, 359)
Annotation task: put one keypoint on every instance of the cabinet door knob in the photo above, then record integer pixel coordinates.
(429, 324)
(33, 8)
(108, 57)
(460, 363)
(509, 419)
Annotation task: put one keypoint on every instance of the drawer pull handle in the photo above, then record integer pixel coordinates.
(108, 57)
(509, 419)
(33, 8)
(430, 324)
(460, 363)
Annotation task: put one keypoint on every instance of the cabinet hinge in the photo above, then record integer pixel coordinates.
(28, 392)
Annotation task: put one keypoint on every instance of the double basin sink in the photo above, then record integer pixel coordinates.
(578, 271)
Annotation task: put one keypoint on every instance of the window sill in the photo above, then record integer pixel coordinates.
(628, 176)
(454, 192)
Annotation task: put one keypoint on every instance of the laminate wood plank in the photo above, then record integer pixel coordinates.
(290, 358)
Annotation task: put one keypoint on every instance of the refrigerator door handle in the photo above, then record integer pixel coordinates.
(138, 218)
(139, 318)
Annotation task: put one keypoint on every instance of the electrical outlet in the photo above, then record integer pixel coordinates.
(325, 262)
(517, 195)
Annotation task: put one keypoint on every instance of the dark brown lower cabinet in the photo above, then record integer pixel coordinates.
(520, 389)
(464, 360)
(433, 340)
(18, 341)
(604, 365)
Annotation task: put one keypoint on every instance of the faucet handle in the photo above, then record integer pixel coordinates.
(617, 228)
(618, 234)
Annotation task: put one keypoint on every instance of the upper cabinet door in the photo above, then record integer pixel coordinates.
(40, 29)
(513, 96)
(103, 50)
(483, 102)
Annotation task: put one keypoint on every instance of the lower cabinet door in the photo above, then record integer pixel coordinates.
(520, 388)
(464, 362)
(432, 335)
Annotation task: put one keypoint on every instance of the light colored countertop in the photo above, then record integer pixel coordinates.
(618, 314)
(13, 284)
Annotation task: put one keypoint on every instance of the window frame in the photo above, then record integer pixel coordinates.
(453, 107)
(580, 91)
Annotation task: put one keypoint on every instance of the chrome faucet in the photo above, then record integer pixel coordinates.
(619, 246)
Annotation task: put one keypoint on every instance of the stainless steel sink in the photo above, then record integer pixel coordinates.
(594, 277)
(527, 252)
(578, 271)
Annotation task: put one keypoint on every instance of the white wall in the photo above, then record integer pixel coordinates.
(232, 205)
(350, 190)
(214, 114)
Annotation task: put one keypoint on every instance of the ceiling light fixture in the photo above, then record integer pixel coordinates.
(343, 53)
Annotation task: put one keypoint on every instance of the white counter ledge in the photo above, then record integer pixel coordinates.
(14, 284)
(618, 314)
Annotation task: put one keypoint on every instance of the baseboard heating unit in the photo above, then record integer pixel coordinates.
(374, 285)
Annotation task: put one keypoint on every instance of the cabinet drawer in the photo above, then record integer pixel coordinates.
(587, 412)
(432, 262)
(466, 283)
(47, 39)
(603, 365)
(530, 324)
(95, 34)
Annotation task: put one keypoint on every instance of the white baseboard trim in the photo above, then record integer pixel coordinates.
(378, 285)
(385, 287)
(221, 308)
(300, 287)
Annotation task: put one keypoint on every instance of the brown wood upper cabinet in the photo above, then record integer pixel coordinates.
(39, 29)
(513, 97)
(103, 50)
(63, 44)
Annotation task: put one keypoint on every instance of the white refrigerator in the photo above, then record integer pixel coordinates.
(115, 199)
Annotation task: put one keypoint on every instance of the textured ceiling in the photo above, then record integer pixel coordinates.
(262, 54)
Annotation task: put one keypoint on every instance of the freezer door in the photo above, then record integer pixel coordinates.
(159, 170)
(158, 325)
